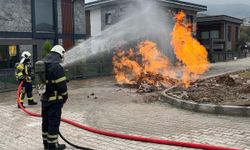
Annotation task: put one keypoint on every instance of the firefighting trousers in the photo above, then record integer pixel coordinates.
(26, 88)
(51, 117)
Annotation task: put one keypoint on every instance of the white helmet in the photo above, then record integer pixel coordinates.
(58, 49)
(25, 56)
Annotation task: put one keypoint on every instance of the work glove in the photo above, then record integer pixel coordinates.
(65, 98)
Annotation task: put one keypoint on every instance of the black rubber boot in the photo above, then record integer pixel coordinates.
(56, 146)
(45, 144)
(31, 102)
(21, 104)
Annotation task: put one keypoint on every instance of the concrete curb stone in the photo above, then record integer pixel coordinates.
(206, 108)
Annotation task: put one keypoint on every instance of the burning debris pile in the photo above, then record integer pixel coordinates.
(147, 77)
(147, 69)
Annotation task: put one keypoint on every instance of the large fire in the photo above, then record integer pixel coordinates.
(148, 65)
(188, 50)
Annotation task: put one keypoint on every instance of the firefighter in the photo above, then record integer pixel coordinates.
(54, 98)
(24, 73)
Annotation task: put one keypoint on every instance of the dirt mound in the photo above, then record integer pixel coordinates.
(226, 80)
(232, 89)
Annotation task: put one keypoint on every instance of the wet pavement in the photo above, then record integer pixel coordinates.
(98, 103)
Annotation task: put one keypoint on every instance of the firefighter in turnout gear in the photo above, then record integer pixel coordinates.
(24, 73)
(54, 98)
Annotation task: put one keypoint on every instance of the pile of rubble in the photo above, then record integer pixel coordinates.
(233, 89)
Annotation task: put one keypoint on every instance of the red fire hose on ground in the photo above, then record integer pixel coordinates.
(129, 137)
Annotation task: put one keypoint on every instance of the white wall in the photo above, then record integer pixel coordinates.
(95, 21)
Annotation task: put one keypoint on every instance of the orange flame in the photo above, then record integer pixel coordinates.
(128, 70)
(188, 50)
(149, 66)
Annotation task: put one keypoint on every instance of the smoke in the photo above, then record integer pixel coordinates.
(144, 19)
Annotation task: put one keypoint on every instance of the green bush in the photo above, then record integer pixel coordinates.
(47, 46)
(245, 34)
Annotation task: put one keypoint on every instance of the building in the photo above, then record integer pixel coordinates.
(219, 33)
(26, 24)
(103, 13)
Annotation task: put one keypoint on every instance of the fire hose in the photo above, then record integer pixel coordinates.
(127, 137)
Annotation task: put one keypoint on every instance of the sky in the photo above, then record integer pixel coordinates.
(219, 1)
(209, 1)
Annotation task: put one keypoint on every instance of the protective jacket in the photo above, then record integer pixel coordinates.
(56, 85)
(24, 72)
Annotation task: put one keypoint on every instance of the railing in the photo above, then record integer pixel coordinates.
(227, 55)
(7, 80)
(89, 70)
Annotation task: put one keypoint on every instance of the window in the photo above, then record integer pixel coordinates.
(108, 19)
(190, 19)
(122, 12)
(7, 58)
(229, 33)
(205, 35)
(44, 15)
(3, 57)
(214, 34)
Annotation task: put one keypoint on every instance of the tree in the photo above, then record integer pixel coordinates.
(245, 34)
(47, 46)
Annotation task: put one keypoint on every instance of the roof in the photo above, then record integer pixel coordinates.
(167, 3)
(219, 18)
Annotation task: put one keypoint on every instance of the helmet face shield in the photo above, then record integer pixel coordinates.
(22, 60)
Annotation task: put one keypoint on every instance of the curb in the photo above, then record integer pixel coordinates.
(205, 108)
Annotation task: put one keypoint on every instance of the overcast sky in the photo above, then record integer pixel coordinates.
(219, 1)
(209, 1)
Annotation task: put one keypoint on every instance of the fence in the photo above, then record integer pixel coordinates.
(227, 55)
(89, 70)
(7, 80)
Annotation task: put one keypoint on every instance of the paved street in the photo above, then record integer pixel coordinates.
(122, 110)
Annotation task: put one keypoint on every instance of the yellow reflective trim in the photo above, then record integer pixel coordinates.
(52, 81)
(65, 93)
(20, 74)
(30, 98)
(52, 98)
(26, 70)
(60, 79)
(53, 136)
(45, 133)
(20, 67)
(54, 141)
(21, 100)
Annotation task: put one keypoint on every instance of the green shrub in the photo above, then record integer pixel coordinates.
(47, 46)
